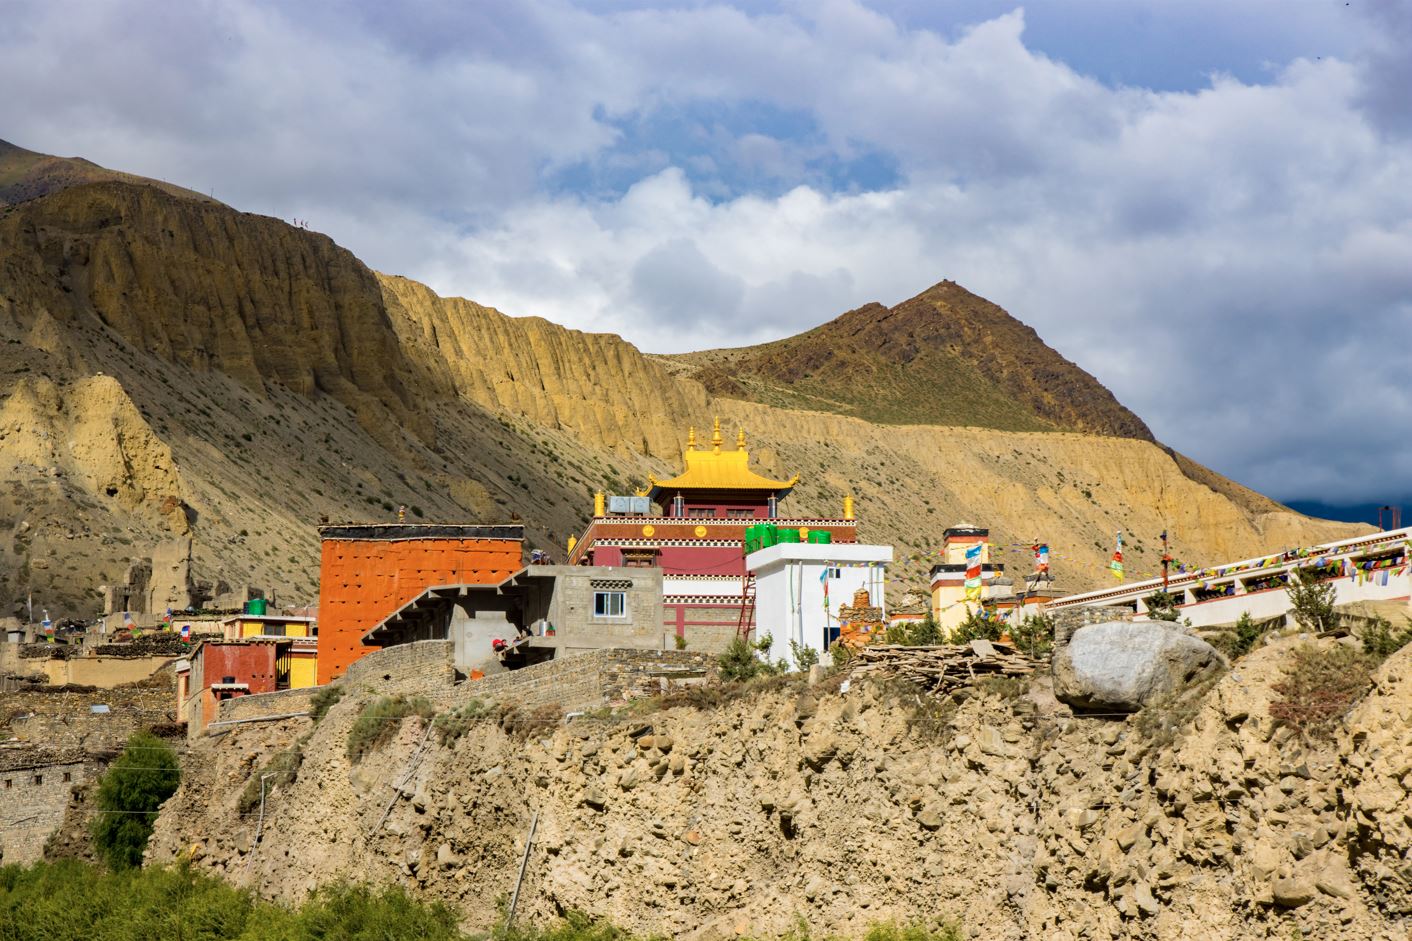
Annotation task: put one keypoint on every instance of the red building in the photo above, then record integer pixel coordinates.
(221, 670)
(692, 527)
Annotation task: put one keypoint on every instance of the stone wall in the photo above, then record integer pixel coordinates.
(1069, 620)
(264, 705)
(417, 668)
(36, 789)
(63, 717)
(585, 680)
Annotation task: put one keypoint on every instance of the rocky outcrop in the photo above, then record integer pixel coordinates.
(1004, 812)
(1121, 666)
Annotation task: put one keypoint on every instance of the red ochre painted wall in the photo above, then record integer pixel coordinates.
(362, 581)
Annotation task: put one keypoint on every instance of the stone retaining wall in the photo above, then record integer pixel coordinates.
(586, 680)
(263, 705)
(418, 668)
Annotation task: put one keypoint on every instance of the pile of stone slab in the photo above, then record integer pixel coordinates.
(943, 668)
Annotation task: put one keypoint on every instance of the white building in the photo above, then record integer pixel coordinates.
(1367, 568)
(800, 587)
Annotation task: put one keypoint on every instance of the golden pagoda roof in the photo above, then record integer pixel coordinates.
(718, 470)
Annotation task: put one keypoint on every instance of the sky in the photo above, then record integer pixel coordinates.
(1207, 205)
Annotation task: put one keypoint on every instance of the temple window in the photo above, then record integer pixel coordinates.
(697, 512)
(610, 604)
(740, 514)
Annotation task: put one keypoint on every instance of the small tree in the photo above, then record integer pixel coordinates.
(804, 656)
(1161, 606)
(1312, 601)
(1034, 635)
(130, 795)
(976, 627)
(741, 660)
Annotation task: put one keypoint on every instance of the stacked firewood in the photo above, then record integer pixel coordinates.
(943, 668)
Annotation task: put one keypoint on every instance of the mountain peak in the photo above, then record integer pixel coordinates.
(946, 357)
(27, 174)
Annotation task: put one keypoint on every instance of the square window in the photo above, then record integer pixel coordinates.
(9, 784)
(68, 776)
(610, 604)
(39, 779)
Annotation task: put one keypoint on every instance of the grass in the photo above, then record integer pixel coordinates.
(379, 722)
(451, 726)
(69, 899)
(324, 699)
(282, 770)
(1321, 684)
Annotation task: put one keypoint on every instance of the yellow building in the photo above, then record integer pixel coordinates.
(950, 605)
(299, 659)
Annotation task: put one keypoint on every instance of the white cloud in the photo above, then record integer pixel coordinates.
(1234, 261)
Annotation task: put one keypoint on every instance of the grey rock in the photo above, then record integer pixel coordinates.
(1120, 666)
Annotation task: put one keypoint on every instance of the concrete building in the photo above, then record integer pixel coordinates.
(540, 613)
(801, 589)
(368, 571)
(1365, 569)
(692, 528)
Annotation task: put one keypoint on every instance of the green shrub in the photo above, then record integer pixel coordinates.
(379, 722)
(1034, 635)
(1320, 686)
(282, 770)
(741, 660)
(129, 796)
(324, 700)
(450, 726)
(923, 633)
(975, 627)
(70, 899)
(1161, 606)
(1312, 601)
(1382, 640)
(804, 656)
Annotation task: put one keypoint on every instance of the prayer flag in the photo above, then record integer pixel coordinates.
(1116, 566)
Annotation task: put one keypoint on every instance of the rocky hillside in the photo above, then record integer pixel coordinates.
(176, 366)
(26, 175)
(999, 809)
(945, 357)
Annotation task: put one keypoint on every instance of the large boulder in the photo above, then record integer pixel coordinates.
(1120, 666)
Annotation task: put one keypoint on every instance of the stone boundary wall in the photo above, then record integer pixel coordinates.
(419, 668)
(36, 797)
(1071, 619)
(261, 705)
(586, 680)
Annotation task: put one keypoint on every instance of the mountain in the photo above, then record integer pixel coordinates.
(945, 357)
(175, 366)
(26, 175)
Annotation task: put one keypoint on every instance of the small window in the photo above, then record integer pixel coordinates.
(740, 514)
(609, 604)
(68, 776)
(9, 784)
(701, 512)
(39, 779)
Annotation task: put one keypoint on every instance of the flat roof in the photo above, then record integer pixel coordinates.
(844, 552)
(397, 531)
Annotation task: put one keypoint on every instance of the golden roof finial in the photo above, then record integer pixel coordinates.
(716, 435)
(740, 440)
(691, 439)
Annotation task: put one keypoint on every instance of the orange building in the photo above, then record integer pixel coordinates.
(368, 571)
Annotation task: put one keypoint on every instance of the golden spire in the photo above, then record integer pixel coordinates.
(848, 506)
(716, 435)
(691, 439)
(598, 501)
(740, 440)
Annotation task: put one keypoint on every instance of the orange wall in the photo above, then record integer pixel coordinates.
(362, 581)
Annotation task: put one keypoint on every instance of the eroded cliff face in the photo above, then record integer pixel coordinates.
(271, 379)
(1002, 812)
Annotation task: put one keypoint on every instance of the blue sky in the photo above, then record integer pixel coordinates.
(1206, 204)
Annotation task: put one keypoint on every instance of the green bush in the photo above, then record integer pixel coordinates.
(380, 720)
(282, 770)
(322, 701)
(975, 627)
(1382, 640)
(69, 899)
(450, 726)
(923, 633)
(1320, 686)
(804, 656)
(1034, 635)
(129, 796)
(1312, 600)
(741, 660)
(1161, 606)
